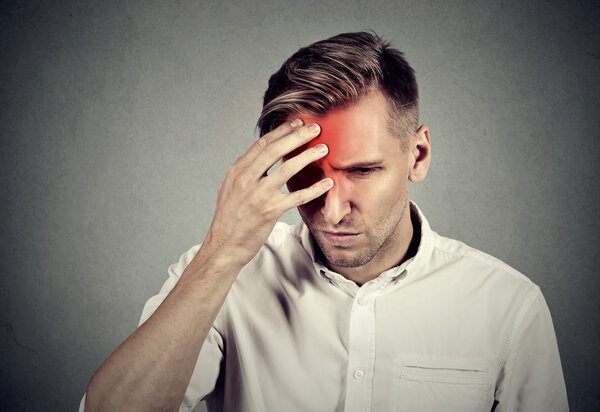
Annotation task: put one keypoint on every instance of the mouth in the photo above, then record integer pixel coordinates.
(343, 239)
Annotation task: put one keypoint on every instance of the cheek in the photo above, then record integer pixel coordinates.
(392, 200)
(378, 195)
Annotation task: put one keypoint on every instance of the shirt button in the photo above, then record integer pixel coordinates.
(363, 301)
(358, 374)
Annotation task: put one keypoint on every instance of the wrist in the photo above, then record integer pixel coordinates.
(215, 260)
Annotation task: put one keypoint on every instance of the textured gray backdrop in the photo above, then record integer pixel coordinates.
(118, 121)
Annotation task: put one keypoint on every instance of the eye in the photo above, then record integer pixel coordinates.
(363, 171)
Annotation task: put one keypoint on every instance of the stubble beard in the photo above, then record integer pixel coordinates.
(379, 239)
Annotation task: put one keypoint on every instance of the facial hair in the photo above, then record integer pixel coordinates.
(380, 238)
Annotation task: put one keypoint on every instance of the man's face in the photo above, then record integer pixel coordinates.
(362, 219)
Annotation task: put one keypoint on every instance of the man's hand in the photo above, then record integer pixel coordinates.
(151, 369)
(250, 202)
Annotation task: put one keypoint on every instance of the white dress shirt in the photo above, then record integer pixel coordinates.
(451, 329)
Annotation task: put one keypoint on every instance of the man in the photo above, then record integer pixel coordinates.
(359, 307)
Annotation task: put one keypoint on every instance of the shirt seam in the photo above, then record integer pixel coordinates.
(525, 308)
(478, 256)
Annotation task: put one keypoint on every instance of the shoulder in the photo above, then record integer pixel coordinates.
(472, 270)
(483, 289)
(283, 233)
(440, 255)
(284, 240)
(282, 252)
(451, 250)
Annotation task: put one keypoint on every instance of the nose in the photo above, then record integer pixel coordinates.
(335, 205)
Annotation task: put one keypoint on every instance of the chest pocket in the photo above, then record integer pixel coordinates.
(429, 389)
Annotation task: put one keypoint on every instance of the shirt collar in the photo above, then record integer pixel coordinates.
(409, 266)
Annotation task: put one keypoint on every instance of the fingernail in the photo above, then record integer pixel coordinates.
(322, 148)
(296, 122)
(314, 128)
(327, 183)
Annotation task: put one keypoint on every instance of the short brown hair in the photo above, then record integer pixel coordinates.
(335, 73)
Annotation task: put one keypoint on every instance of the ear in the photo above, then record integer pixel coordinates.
(420, 151)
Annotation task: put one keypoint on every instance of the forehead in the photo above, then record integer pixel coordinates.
(358, 133)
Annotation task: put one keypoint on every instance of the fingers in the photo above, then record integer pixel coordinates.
(283, 129)
(277, 149)
(287, 169)
(303, 196)
(266, 151)
(259, 146)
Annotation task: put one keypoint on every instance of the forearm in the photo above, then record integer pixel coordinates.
(152, 368)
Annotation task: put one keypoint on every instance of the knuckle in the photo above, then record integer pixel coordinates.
(232, 170)
(262, 143)
(268, 213)
(240, 182)
(261, 207)
(300, 197)
(299, 133)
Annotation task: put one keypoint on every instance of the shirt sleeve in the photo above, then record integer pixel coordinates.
(531, 378)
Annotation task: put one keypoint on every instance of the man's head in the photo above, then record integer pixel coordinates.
(364, 97)
(337, 72)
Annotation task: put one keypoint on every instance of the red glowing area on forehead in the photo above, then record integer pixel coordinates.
(357, 136)
(344, 133)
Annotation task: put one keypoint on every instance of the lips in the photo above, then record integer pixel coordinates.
(342, 239)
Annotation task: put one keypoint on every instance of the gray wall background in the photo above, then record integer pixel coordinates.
(119, 119)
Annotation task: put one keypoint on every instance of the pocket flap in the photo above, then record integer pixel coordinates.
(447, 385)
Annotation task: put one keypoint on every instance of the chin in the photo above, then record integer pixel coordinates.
(349, 262)
(347, 258)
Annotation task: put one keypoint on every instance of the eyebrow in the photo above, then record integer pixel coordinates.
(361, 165)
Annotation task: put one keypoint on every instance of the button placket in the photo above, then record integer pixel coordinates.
(361, 351)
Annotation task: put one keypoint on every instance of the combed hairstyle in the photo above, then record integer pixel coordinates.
(335, 73)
